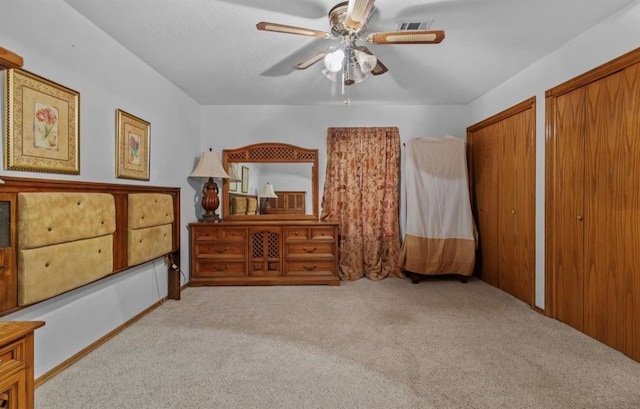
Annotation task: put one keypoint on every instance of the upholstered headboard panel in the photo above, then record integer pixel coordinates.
(45, 272)
(59, 235)
(51, 218)
(150, 218)
(64, 241)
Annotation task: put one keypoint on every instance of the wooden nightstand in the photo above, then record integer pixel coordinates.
(16, 364)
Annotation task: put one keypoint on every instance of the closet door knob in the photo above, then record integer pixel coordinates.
(580, 218)
(513, 212)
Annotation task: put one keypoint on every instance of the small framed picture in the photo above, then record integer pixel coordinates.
(245, 179)
(132, 146)
(233, 171)
(43, 120)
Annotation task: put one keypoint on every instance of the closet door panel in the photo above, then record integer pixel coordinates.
(605, 168)
(612, 214)
(524, 199)
(485, 174)
(508, 207)
(568, 216)
(631, 243)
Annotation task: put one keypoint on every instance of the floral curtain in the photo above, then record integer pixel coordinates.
(361, 192)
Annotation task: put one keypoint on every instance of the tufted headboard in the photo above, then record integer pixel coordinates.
(59, 235)
(243, 204)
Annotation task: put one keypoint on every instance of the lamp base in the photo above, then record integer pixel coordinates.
(210, 217)
(210, 202)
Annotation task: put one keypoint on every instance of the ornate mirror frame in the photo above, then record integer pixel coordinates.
(271, 152)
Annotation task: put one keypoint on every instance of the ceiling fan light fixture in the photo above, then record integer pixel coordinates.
(334, 60)
(330, 75)
(367, 62)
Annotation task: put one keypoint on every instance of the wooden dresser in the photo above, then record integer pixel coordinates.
(16, 364)
(264, 253)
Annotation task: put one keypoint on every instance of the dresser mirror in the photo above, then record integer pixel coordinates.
(291, 173)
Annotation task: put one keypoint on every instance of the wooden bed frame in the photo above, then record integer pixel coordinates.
(9, 218)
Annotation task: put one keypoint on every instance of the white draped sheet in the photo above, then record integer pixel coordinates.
(440, 234)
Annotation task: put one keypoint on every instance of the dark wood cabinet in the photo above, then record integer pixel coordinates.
(264, 253)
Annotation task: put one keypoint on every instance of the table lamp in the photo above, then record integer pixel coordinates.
(209, 166)
(267, 193)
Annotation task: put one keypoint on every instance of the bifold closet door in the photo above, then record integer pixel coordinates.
(593, 209)
(485, 152)
(568, 218)
(518, 216)
(612, 210)
(503, 181)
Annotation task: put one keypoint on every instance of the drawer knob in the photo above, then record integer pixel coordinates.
(295, 234)
(309, 268)
(220, 267)
(221, 249)
(306, 250)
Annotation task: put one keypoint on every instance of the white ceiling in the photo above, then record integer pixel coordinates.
(212, 50)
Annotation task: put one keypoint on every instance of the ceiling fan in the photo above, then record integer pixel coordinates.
(349, 60)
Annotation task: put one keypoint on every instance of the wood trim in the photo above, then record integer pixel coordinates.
(500, 116)
(549, 242)
(87, 350)
(539, 310)
(9, 59)
(608, 68)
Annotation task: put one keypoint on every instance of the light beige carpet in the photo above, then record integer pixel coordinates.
(389, 344)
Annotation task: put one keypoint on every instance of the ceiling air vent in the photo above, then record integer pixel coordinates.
(414, 25)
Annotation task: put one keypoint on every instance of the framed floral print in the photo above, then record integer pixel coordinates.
(43, 125)
(132, 146)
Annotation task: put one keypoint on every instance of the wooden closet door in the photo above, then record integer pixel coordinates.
(612, 210)
(567, 218)
(507, 206)
(522, 272)
(485, 151)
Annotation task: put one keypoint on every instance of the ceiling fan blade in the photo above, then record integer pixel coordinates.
(290, 63)
(358, 14)
(407, 37)
(311, 60)
(281, 28)
(380, 68)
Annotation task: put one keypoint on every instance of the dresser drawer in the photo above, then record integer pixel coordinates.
(322, 233)
(219, 268)
(308, 268)
(307, 233)
(12, 352)
(296, 233)
(216, 233)
(220, 250)
(309, 249)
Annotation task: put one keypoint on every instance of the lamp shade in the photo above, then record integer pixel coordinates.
(267, 191)
(209, 166)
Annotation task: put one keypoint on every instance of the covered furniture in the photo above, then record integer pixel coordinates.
(440, 233)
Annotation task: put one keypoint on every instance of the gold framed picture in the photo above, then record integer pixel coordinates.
(245, 179)
(132, 146)
(233, 170)
(43, 125)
